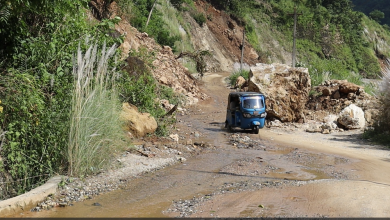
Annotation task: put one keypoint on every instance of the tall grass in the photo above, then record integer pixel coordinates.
(384, 89)
(95, 131)
(174, 22)
(380, 132)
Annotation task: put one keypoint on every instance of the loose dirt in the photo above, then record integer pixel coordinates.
(281, 172)
(358, 188)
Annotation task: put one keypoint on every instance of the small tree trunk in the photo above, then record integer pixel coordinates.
(150, 13)
(242, 48)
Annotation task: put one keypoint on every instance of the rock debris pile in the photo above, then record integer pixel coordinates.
(335, 105)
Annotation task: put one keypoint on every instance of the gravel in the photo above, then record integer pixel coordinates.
(146, 158)
(320, 163)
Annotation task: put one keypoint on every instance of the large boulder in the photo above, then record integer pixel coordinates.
(138, 124)
(286, 89)
(239, 82)
(352, 117)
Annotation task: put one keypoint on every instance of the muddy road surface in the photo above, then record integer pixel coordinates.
(280, 172)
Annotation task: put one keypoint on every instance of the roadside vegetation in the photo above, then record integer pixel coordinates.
(381, 130)
(48, 125)
(234, 75)
(95, 129)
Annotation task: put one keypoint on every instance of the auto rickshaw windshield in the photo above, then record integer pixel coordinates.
(252, 103)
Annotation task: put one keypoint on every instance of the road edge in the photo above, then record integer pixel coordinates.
(29, 199)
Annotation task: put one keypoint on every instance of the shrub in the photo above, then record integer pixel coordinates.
(380, 132)
(199, 18)
(95, 129)
(233, 77)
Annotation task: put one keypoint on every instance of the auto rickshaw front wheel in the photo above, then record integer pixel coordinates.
(256, 129)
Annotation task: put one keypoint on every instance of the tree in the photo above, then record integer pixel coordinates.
(377, 15)
(198, 57)
(150, 13)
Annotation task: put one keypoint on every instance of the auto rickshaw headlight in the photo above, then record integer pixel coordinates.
(263, 115)
(247, 115)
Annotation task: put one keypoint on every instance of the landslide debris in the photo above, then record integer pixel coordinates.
(286, 88)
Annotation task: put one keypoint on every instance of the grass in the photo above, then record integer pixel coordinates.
(95, 131)
(380, 132)
(233, 77)
(174, 22)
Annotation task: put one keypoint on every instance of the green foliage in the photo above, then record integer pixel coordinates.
(199, 18)
(139, 12)
(165, 92)
(327, 30)
(179, 4)
(377, 136)
(144, 92)
(234, 75)
(177, 26)
(198, 57)
(381, 129)
(30, 146)
(322, 70)
(377, 15)
(36, 82)
(141, 92)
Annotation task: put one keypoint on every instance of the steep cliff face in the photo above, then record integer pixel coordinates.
(222, 36)
(168, 70)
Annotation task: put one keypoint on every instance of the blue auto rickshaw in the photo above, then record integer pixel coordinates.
(246, 110)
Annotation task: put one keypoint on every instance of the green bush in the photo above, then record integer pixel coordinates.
(234, 75)
(34, 130)
(199, 18)
(36, 74)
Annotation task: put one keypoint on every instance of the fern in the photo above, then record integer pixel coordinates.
(4, 14)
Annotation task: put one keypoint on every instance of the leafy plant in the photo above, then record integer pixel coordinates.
(39, 39)
(199, 18)
(198, 57)
(377, 15)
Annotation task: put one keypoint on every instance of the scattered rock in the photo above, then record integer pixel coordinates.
(138, 124)
(352, 117)
(174, 137)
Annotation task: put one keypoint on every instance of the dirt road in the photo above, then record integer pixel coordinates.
(364, 191)
(281, 172)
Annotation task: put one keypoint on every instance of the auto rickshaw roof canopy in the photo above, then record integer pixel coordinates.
(240, 94)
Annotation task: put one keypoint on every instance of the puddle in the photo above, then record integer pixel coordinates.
(318, 174)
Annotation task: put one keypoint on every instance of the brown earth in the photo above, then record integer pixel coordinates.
(288, 173)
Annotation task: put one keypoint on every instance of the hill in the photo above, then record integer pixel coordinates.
(369, 6)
